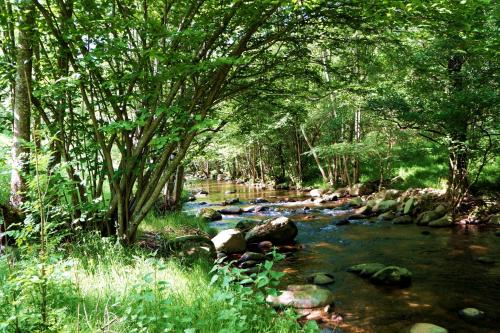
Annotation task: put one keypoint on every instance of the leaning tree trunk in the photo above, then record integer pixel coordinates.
(22, 104)
(313, 152)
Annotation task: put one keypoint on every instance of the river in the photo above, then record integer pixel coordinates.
(446, 273)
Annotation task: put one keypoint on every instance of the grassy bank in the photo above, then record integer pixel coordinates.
(95, 284)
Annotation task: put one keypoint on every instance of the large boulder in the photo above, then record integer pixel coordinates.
(445, 221)
(209, 214)
(231, 210)
(385, 206)
(280, 230)
(392, 275)
(366, 270)
(427, 328)
(302, 297)
(230, 241)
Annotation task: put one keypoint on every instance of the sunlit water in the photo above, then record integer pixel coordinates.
(446, 274)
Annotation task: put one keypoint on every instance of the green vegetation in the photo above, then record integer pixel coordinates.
(95, 284)
(108, 106)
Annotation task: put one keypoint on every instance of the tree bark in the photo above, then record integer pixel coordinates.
(22, 104)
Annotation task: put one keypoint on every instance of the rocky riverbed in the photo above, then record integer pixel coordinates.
(439, 271)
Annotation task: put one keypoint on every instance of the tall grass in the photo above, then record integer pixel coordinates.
(96, 285)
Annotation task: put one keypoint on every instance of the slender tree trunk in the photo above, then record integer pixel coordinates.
(22, 103)
(316, 158)
(357, 139)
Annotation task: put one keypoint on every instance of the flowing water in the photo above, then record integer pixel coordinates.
(446, 273)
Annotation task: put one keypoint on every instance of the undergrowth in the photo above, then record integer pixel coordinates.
(95, 284)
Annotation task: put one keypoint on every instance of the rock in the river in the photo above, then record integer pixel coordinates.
(302, 297)
(427, 328)
(321, 278)
(231, 210)
(316, 193)
(229, 241)
(265, 246)
(280, 230)
(445, 221)
(210, 214)
(471, 314)
(252, 256)
(355, 202)
(365, 210)
(392, 275)
(259, 201)
(230, 192)
(357, 217)
(405, 219)
(386, 216)
(366, 270)
(385, 206)
(342, 222)
(245, 225)
(426, 217)
(486, 260)
(231, 201)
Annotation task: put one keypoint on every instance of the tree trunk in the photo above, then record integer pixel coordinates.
(316, 158)
(22, 104)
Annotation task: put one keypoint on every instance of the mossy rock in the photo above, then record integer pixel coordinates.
(245, 225)
(405, 219)
(321, 278)
(409, 205)
(210, 214)
(427, 328)
(366, 270)
(445, 221)
(392, 275)
(385, 206)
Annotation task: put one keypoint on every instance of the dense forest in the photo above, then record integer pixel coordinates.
(231, 166)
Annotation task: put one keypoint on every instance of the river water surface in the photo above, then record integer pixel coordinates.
(446, 273)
